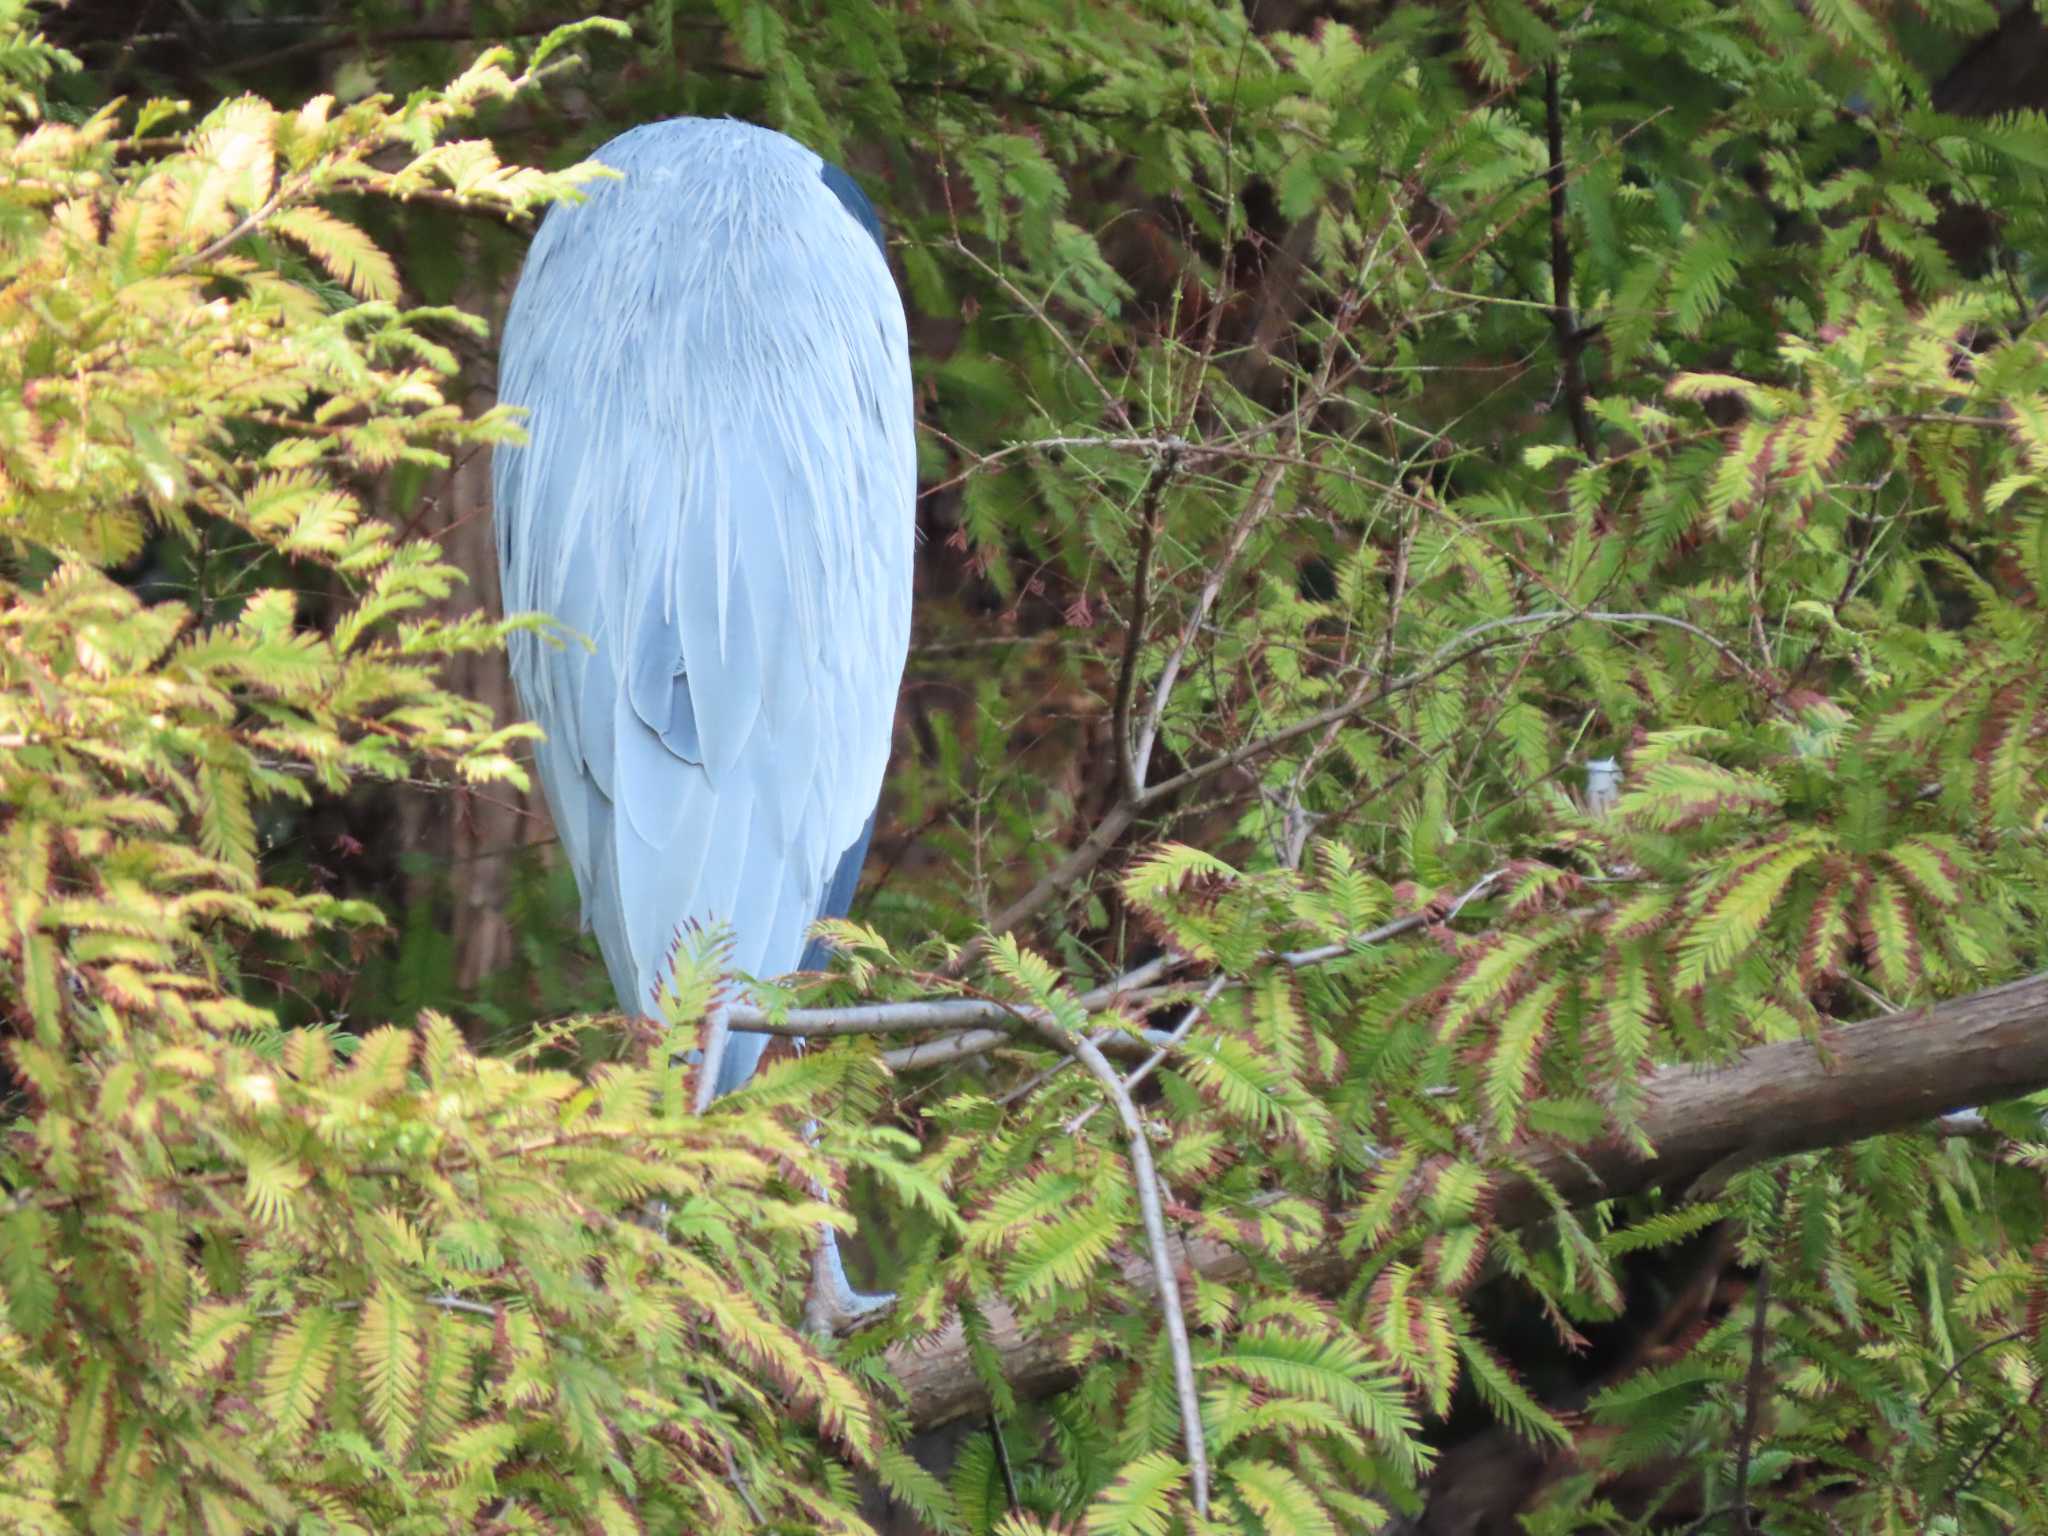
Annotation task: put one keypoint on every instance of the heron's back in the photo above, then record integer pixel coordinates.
(718, 490)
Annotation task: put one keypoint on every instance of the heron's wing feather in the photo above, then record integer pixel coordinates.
(743, 817)
(839, 895)
(555, 675)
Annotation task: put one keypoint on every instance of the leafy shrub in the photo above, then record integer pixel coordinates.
(257, 1278)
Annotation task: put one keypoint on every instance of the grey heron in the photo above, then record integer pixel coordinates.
(717, 489)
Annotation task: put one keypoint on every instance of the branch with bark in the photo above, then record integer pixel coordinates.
(1571, 340)
(1888, 1074)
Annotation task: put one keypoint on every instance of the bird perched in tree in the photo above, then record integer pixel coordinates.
(718, 490)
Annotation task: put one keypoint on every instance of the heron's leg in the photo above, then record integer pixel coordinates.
(716, 1036)
(832, 1305)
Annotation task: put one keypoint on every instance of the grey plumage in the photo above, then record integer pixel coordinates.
(718, 490)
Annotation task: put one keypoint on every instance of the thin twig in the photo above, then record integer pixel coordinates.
(1102, 1039)
(1294, 960)
(1397, 593)
(1120, 816)
(1571, 341)
(445, 1301)
(1251, 751)
(981, 1015)
(1112, 403)
(717, 1033)
(2010, 1336)
(1706, 1521)
(1115, 821)
(1146, 1177)
(993, 459)
(1264, 491)
(1441, 661)
(739, 1483)
(1134, 630)
(1197, 1010)
(2005, 1432)
(939, 1013)
(1134, 987)
(1752, 1396)
(1298, 958)
(995, 1435)
(946, 1050)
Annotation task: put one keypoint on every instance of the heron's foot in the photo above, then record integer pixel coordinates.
(833, 1306)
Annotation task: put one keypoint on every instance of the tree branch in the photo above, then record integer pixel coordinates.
(1165, 1276)
(984, 1023)
(1134, 631)
(1257, 506)
(1753, 1389)
(1571, 341)
(1888, 1074)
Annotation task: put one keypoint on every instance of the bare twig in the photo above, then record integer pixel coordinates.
(946, 1050)
(1871, 995)
(1260, 502)
(1991, 1447)
(1197, 1010)
(1153, 444)
(1752, 1396)
(938, 1013)
(1442, 662)
(1571, 341)
(1709, 1520)
(988, 1023)
(995, 1435)
(1472, 642)
(1164, 1272)
(1134, 629)
(717, 1032)
(1397, 593)
(1295, 960)
(1112, 403)
(1754, 574)
(739, 1483)
(1257, 506)
(2010, 1336)
(880, 1018)
(1322, 954)
(1115, 821)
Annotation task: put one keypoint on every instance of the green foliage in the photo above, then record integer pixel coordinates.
(258, 1278)
(1274, 314)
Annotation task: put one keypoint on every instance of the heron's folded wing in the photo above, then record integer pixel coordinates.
(719, 490)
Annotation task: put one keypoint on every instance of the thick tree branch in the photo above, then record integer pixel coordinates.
(1888, 1074)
